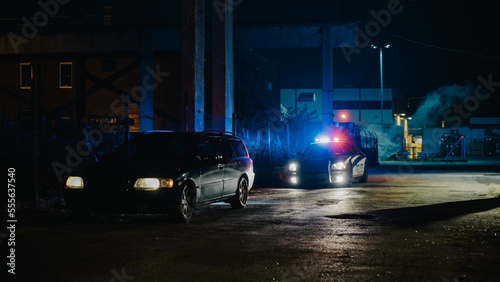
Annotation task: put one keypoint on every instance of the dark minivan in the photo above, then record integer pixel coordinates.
(170, 172)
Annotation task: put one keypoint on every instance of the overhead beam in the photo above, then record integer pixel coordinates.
(245, 36)
(294, 36)
(95, 88)
(120, 92)
(14, 95)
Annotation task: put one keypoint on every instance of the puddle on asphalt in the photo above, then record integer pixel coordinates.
(351, 216)
(326, 202)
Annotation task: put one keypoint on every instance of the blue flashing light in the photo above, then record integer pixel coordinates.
(322, 139)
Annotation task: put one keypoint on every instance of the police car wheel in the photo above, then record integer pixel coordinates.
(364, 178)
(348, 182)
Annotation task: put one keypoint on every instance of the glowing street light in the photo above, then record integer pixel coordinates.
(381, 84)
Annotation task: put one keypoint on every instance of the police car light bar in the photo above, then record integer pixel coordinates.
(322, 139)
(326, 139)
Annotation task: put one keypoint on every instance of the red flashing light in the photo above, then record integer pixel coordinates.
(336, 139)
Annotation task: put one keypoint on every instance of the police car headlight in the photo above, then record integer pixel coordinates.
(293, 167)
(339, 166)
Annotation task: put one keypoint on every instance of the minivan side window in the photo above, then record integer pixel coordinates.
(238, 147)
(207, 150)
(223, 148)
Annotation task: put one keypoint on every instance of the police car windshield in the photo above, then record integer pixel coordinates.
(324, 150)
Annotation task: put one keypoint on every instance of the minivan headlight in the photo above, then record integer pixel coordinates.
(74, 182)
(153, 183)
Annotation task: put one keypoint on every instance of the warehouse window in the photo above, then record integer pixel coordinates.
(66, 75)
(25, 75)
(307, 97)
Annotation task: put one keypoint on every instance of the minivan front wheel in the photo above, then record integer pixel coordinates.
(184, 209)
(240, 199)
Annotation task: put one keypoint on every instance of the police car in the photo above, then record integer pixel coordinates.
(337, 162)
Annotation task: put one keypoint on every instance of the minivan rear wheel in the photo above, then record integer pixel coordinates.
(240, 199)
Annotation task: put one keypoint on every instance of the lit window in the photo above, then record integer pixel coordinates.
(66, 75)
(25, 75)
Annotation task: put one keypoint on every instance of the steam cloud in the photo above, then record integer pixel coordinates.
(430, 112)
(389, 142)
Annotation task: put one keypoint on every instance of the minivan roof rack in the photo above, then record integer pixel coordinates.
(218, 132)
(157, 131)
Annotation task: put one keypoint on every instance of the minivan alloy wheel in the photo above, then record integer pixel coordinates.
(240, 200)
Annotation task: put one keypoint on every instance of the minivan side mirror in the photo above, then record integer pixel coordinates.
(207, 158)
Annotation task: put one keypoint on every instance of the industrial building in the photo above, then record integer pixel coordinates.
(176, 72)
(358, 105)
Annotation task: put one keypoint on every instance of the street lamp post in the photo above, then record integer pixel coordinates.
(381, 85)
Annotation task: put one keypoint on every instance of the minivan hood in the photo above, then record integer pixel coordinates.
(126, 169)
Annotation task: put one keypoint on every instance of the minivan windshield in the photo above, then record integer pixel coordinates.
(157, 147)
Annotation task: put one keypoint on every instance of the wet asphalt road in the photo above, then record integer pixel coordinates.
(421, 225)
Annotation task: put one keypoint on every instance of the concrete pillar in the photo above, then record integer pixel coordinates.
(146, 88)
(327, 77)
(228, 22)
(218, 100)
(222, 66)
(193, 65)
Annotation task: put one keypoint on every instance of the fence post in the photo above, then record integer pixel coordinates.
(235, 124)
(288, 139)
(269, 142)
(127, 120)
(305, 139)
(34, 138)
